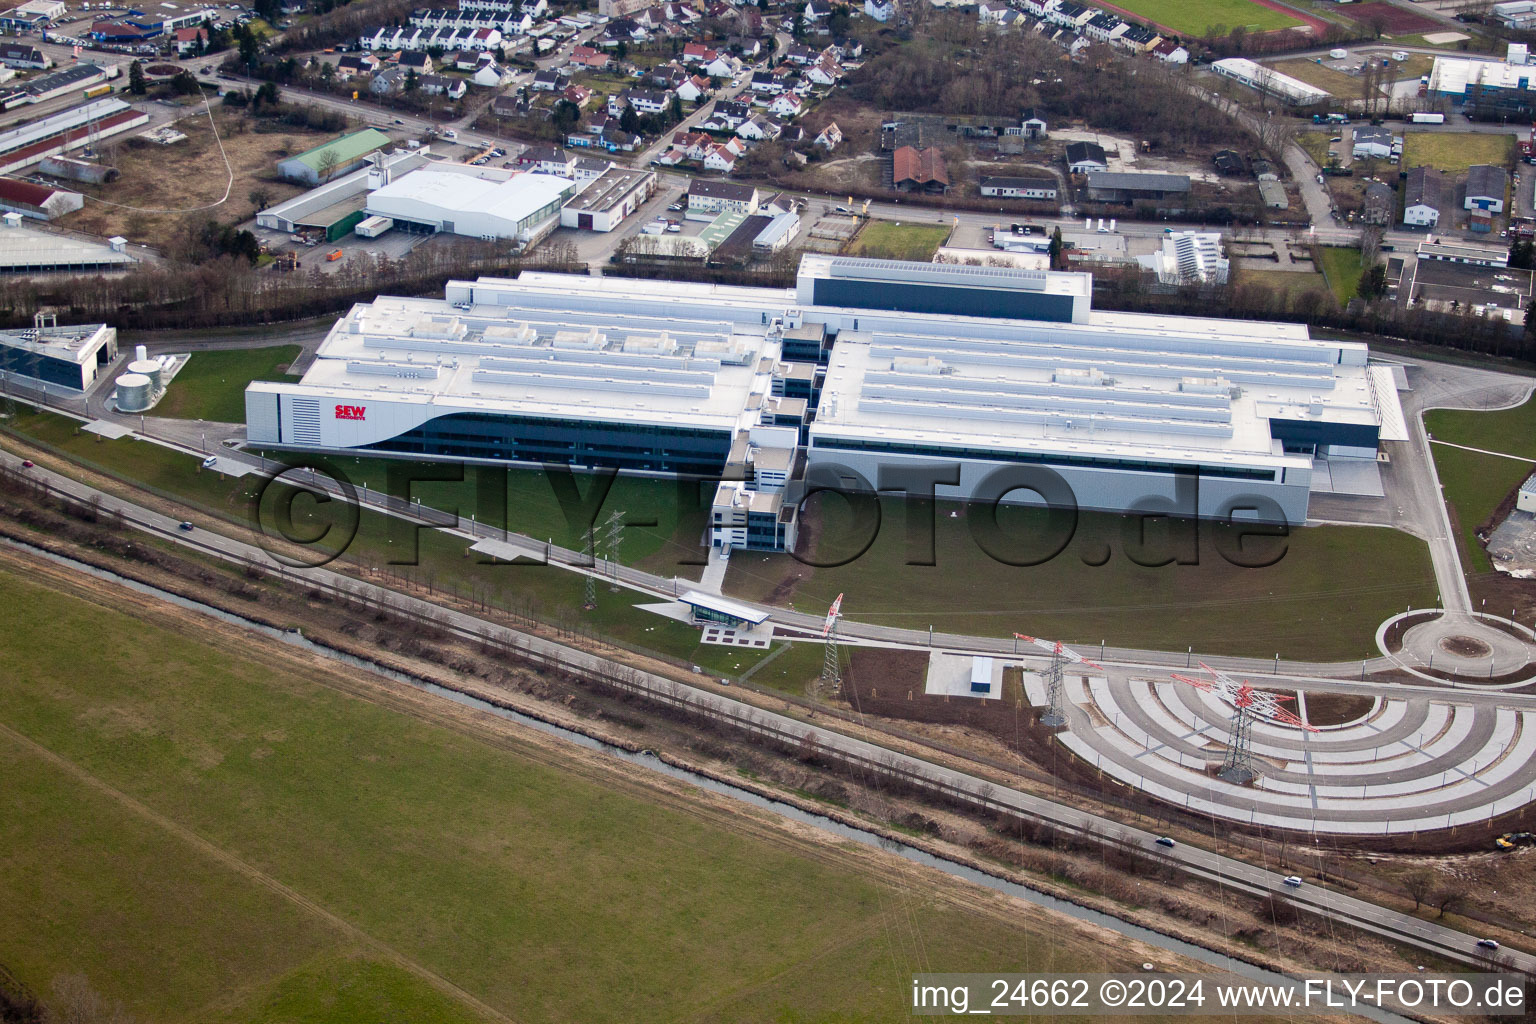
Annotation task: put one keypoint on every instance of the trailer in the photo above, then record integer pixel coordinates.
(1427, 118)
(373, 227)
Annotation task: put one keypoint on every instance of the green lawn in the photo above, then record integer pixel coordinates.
(1454, 152)
(1511, 431)
(1322, 600)
(1199, 17)
(545, 888)
(553, 595)
(894, 240)
(1342, 268)
(212, 384)
(1474, 483)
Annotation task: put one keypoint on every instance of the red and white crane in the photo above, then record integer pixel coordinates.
(1055, 715)
(1248, 703)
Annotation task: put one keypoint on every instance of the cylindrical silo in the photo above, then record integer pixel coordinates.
(140, 353)
(134, 392)
(147, 368)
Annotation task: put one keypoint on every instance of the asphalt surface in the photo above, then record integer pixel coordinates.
(1338, 907)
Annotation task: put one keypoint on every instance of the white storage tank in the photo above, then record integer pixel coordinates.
(134, 392)
(147, 368)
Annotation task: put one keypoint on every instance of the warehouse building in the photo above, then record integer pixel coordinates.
(1130, 186)
(490, 203)
(40, 202)
(1129, 411)
(68, 357)
(1270, 82)
(333, 209)
(609, 198)
(64, 132)
(1490, 86)
(339, 156)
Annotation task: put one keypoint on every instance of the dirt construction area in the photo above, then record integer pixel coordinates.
(162, 185)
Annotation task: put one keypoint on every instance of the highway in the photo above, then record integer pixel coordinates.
(1334, 906)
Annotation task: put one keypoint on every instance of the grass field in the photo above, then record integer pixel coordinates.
(212, 384)
(1200, 17)
(210, 828)
(1454, 152)
(1321, 600)
(553, 595)
(893, 240)
(1474, 483)
(1288, 281)
(1342, 268)
(1341, 85)
(1316, 145)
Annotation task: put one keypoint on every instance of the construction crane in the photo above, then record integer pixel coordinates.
(1055, 692)
(1249, 703)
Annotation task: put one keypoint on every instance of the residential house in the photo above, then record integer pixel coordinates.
(549, 81)
(765, 83)
(546, 160)
(1137, 39)
(721, 157)
(691, 145)
(919, 170)
(708, 198)
(723, 66)
(577, 94)
(1070, 14)
(644, 101)
(360, 64)
(1170, 52)
(1486, 186)
(1031, 124)
(830, 137)
(776, 205)
(760, 128)
(1037, 8)
(442, 85)
(825, 71)
(1019, 188)
(698, 53)
(799, 54)
(1083, 157)
(726, 116)
(589, 168)
(694, 89)
(786, 104)
(418, 61)
(388, 82)
(1423, 192)
(490, 75)
(590, 59)
(1104, 27)
(880, 10)
(1380, 203)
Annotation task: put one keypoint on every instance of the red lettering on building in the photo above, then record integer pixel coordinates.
(350, 412)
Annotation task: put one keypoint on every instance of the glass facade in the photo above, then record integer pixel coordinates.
(1052, 459)
(513, 438)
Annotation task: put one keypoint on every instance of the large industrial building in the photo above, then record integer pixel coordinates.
(68, 357)
(1489, 86)
(867, 365)
(481, 202)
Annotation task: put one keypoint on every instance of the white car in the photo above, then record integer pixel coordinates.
(1294, 881)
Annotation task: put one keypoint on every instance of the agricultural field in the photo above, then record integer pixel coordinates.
(893, 240)
(208, 827)
(212, 384)
(1312, 602)
(1454, 152)
(1202, 17)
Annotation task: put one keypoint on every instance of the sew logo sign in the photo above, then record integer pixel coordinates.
(350, 412)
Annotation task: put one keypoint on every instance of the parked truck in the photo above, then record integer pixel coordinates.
(1426, 118)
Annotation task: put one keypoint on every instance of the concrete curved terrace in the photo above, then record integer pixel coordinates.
(1407, 765)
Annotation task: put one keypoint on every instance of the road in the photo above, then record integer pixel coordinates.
(1334, 906)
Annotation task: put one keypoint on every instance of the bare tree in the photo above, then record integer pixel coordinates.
(1447, 899)
(1419, 884)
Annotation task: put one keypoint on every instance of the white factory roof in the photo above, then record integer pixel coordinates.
(1143, 396)
(1257, 75)
(1045, 282)
(470, 191)
(75, 343)
(616, 367)
(1454, 74)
